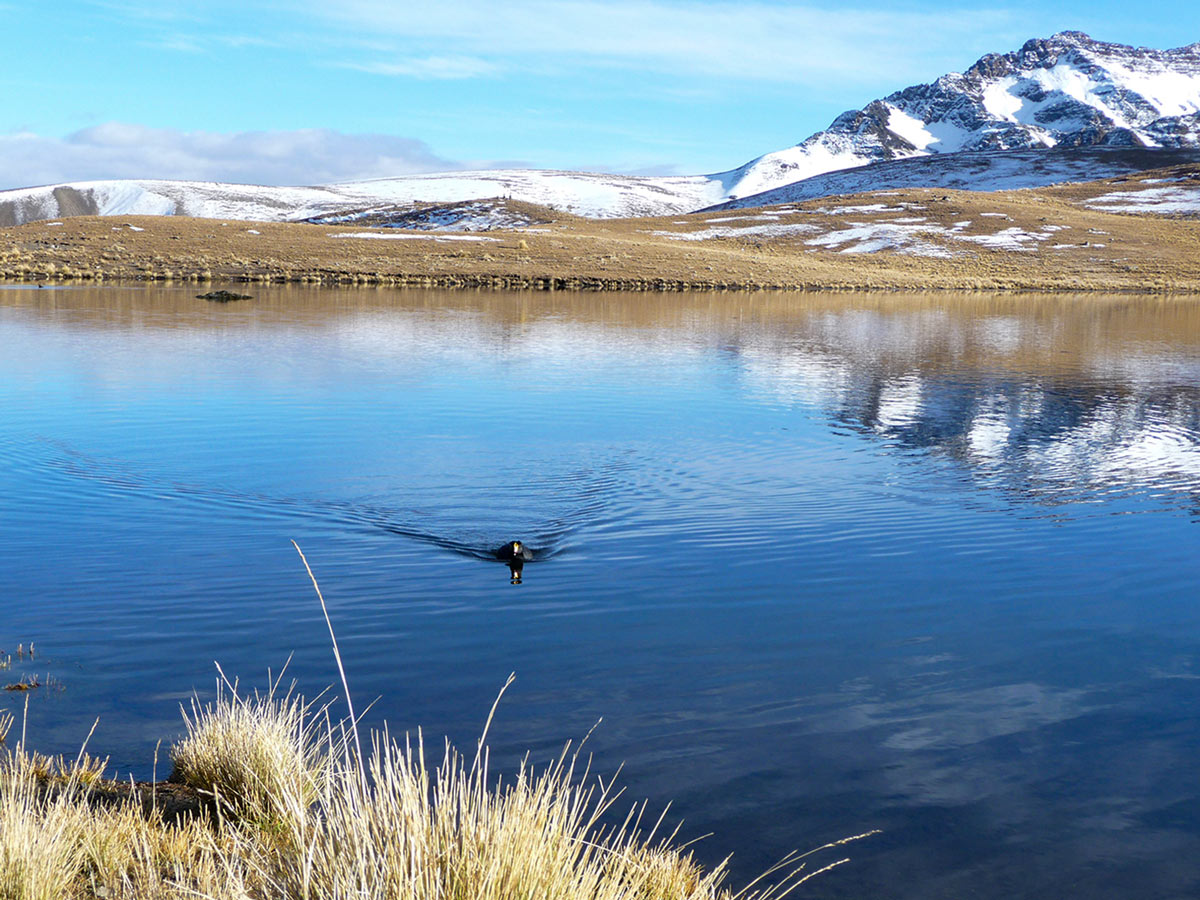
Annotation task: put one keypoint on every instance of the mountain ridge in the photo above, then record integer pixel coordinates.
(1066, 92)
(1111, 94)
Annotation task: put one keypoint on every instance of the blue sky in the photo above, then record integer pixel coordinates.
(290, 91)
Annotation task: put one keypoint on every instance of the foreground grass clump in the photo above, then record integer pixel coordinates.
(261, 755)
(55, 845)
(299, 818)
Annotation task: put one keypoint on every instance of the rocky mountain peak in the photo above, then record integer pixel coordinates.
(1067, 90)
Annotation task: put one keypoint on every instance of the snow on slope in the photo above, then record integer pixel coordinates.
(994, 170)
(581, 193)
(469, 215)
(163, 198)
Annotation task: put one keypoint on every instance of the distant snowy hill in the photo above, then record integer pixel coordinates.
(580, 193)
(1067, 92)
(991, 170)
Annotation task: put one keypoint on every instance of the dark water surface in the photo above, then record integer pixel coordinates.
(822, 564)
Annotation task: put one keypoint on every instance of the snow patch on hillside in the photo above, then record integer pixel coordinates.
(402, 236)
(1163, 201)
(831, 228)
(871, 237)
(748, 231)
(1012, 239)
(477, 215)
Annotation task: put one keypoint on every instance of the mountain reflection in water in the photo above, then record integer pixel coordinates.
(1056, 407)
(820, 563)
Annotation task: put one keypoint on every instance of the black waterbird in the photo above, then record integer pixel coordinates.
(516, 555)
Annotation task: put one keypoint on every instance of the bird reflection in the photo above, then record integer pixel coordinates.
(516, 555)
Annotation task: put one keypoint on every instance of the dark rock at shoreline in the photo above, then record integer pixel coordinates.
(223, 296)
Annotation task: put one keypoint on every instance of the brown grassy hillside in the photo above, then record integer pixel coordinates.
(1039, 239)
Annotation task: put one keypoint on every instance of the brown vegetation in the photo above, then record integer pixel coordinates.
(1090, 250)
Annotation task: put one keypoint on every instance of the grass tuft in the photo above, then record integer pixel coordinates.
(55, 845)
(260, 756)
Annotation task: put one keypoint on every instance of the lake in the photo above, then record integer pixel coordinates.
(821, 564)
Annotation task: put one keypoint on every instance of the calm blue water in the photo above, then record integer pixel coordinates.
(821, 564)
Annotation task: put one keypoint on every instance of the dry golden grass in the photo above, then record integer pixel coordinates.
(1135, 253)
(40, 840)
(54, 845)
(298, 821)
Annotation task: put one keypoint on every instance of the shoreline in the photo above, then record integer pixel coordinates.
(588, 285)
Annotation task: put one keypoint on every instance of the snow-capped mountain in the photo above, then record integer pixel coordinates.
(1067, 90)
(1064, 92)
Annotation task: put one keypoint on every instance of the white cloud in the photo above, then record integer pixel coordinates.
(157, 11)
(758, 40)
(779, 42)
(119, 150)
(430, 67)
(239, 41)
